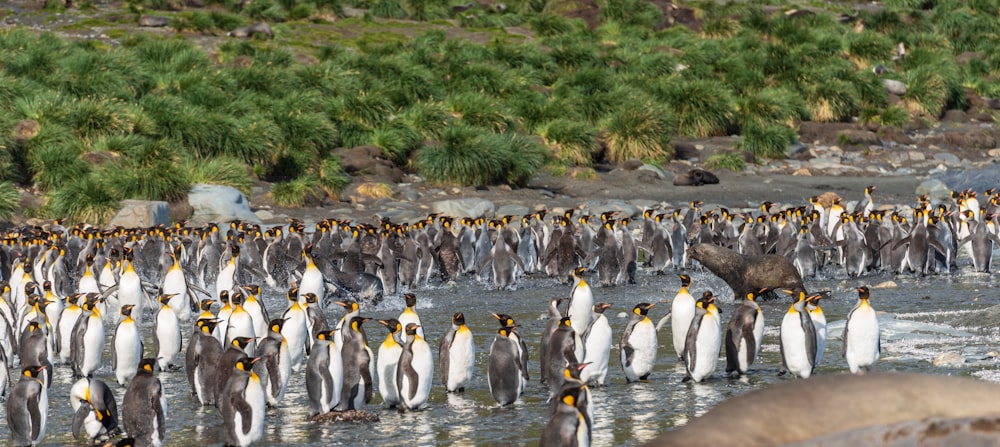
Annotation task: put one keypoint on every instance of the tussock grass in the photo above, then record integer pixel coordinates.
(640, 131)
(10, 200)
(728, 160)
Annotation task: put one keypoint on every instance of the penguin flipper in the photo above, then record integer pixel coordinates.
(629, 353)
(246, 413)
(33, 411)
(114, 352)
(80, 417)
(732, 348)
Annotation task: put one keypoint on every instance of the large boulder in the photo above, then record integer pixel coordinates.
(141, 214)
(469, 207)
(217, 203)
(976, 179)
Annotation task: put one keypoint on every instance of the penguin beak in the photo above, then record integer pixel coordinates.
(495, 315)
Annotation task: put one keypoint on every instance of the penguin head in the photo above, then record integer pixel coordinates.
(252, 289)
(504, 319)
(311, 298)
(601, 307)
(642, 308)
(411, 329)
(864, 293)
(147, 365)
(685, 281)
(165, 298)
(206, 305)
(349, 305)
(392, 324)
(566, 322)
(236, 298)
(569, 395)
(276, 324)
(411, 299)
(207, 325)
(707, 301)
(246, 363)
(506, 330)
(325, 335)
(578, 272)
(293, 294)
(356, 323)
(224, 297)
(126, 310)
(573, 370)
(242, 342)
(458, 319)
(33, 371)
(34, 326)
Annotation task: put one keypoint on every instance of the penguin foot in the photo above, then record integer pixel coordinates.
(686, 379)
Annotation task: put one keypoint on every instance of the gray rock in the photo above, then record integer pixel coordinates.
(513, 210)
(249, 31)
(976, 179)
(917, 156)
(141, 214)
(894, 87)
(660, 173)
(153, 21)
(469, 207)
(217, 203)
(264, 214)
(411, 196)
(935, 188)
(947, 158)
(795, 148)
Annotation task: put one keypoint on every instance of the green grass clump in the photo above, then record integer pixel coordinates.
(569, 141)
(86, 199)
(219, 171)
(332, 178)
(294, 193)
(640, 131)
(10, 200)
(702, 108)
(769, 141)
(726, 160)
(461, 157)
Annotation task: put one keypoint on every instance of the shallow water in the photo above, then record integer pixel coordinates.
(915, 332)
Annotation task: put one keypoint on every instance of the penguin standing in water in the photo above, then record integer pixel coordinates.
(567, 425)
(456, 355)
(126, 347)
(295, 329)
(28, 407)
(167, 329)
(351, 310)
(275, 365)
(33, 350)
(95, 408)
(224, 368)
(562, 352)
(581, 301)
(681, 314)
(503, 373)
(201, 360)
(88, 340)
(522, 349)
(701, 351)
(862, 341)
(550, 327)
(597, 339)
(638, 344)
(144, 407)
(415, 371)
(819, 322)
(324, 374)
(798, 340)
(64, 327)
(388, 359)
(243, 405)
(240, 323)
(357, 360)
(743, 336)
(409, 315)
(257, 311)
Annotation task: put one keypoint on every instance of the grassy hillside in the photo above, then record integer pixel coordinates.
(468, 94)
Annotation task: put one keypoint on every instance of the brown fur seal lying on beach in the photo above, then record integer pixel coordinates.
(839, 409)
(696, 177)
(746, 274)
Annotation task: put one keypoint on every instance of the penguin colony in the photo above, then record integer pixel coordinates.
(65, 287)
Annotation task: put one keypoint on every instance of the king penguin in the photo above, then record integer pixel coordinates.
(167, 329)
(87, 345)
(243, 405)
(681, 313)
(240, 323)
(224, 368)
(508, 321)
(581, 301)
(64, 327)
(457, 355)
(126, 347)
(743, 336)
(28, 407)
(388, 359)
(144, 407)
(201, 360)
(862, 341)
(324, 374)
(95, 408)
(638, 344)
(567, 426)
(798, 340)
(503, 373)
(598, 339)
(357, 360)
(295, 329)
(275, 364)
(701, 350)
(819, 322)
(415, 372)
(562, 352)
(409, 315)
(551, 324)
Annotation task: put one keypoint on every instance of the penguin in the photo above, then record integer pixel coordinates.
(167, 331)
(240, 323)
(508, 321)
(275, 364)
(243, 404)
(681, 313)
(638, 344)
(357, 361)
(96, 411)
(409, 315)
(28, 407)
(315, 319)
(175, 284)
(798, 340)
(33, 350)
(224, 312)
(819, 322)
(4, 374)
(126, 347)
(862, 340)
(256, 309)
(295, 329)
(597, 339)
(201, 360)
(312, 278)
(581, 301)
(701, 350)
(415, 371)
(324, 374)
(552, 323)
(457, 355)
(744, 335)
(87, 346)
(562, 352)
(226, 279)
(388, 359)
(351, 310)
(567, 426)
(224, 368)
(503, 373)
(130, 288)
(144, 407)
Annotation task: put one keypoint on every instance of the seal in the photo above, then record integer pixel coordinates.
(839, 405)
(696, 177)
(747, 274)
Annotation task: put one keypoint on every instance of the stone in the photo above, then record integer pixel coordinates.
(955, 116)
(802, 171)
(890, 284)
(947, 158)
(993, 153)
(264, 215)
(894, 87)
(221, 204)
(936, 189)
(796, 148)
(411, 196)
(860, 137)
(948, 359)
(512, 210)
(468, 207)
(975, 179)
(153, 21)
(917, 156)
(631, 165)
(252, 30)
(685, 151)
(660, 173)
(141, 214)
